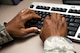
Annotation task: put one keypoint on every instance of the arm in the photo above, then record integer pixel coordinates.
(53, 34)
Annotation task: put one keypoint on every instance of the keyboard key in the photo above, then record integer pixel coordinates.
(44, 13)
(31, 6)
(72, 20)
(42, 19)
(67, 16)
(48, 13)
(67, 19)
(63, 10)
(47, 8)
(71, 16)
(63, 15)
(74, 24)
(59, 9)
(73, 11)
(40, 12)
(53, 9)
(39, 7)
(77, 20)
(39, 26)
(71, 33)
(39, 22)
(78, 11)
(43, 7)
(79, 35)
(36, 12)
(33, 21)
(40, 15)
(72, 29)
(27, 25)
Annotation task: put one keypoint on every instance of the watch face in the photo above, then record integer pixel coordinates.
(71, 1)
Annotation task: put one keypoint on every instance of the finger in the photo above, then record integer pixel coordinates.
(24, 11)
(31, 11)
(59, 20)
(30, 16)
(59, 17)
(46, 20)
(41, 34)
(31, 30)
(64, 21)
(53, 16)
(64, 24)
(27, 11)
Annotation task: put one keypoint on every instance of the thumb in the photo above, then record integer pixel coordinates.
(31, 30)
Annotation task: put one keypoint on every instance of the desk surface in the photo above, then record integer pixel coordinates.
(31, 45)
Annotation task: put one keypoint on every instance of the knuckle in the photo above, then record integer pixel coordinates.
(33, 30)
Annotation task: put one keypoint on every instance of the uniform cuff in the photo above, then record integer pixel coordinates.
(58, 44)
(4, 35)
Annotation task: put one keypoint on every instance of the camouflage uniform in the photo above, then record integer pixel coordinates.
(51, 45)
(4, 35)
(58, 44)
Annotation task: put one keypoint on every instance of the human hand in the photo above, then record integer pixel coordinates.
(16, 26)
(55, 25)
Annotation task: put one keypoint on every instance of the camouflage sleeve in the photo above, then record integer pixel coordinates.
(58, 44)
(4, 35)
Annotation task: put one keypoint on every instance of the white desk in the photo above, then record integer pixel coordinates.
(31, 45)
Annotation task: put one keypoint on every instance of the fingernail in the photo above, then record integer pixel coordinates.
(35, 28)
(39, 16)
(39, 30)
(23, 10)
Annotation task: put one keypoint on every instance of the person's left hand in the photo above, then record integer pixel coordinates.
(16, 26)
(54, 25)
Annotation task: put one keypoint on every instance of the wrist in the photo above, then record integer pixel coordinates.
(7, 29)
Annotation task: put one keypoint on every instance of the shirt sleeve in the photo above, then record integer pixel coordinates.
(4, 35)
(58, 44)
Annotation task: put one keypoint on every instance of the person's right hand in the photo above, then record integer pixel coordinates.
(55, 25)
(16, 27)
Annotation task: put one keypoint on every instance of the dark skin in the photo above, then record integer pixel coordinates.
(16, 26)
(56, 26)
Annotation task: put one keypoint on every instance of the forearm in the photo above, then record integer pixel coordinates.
(58, 44)
(4, 35)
